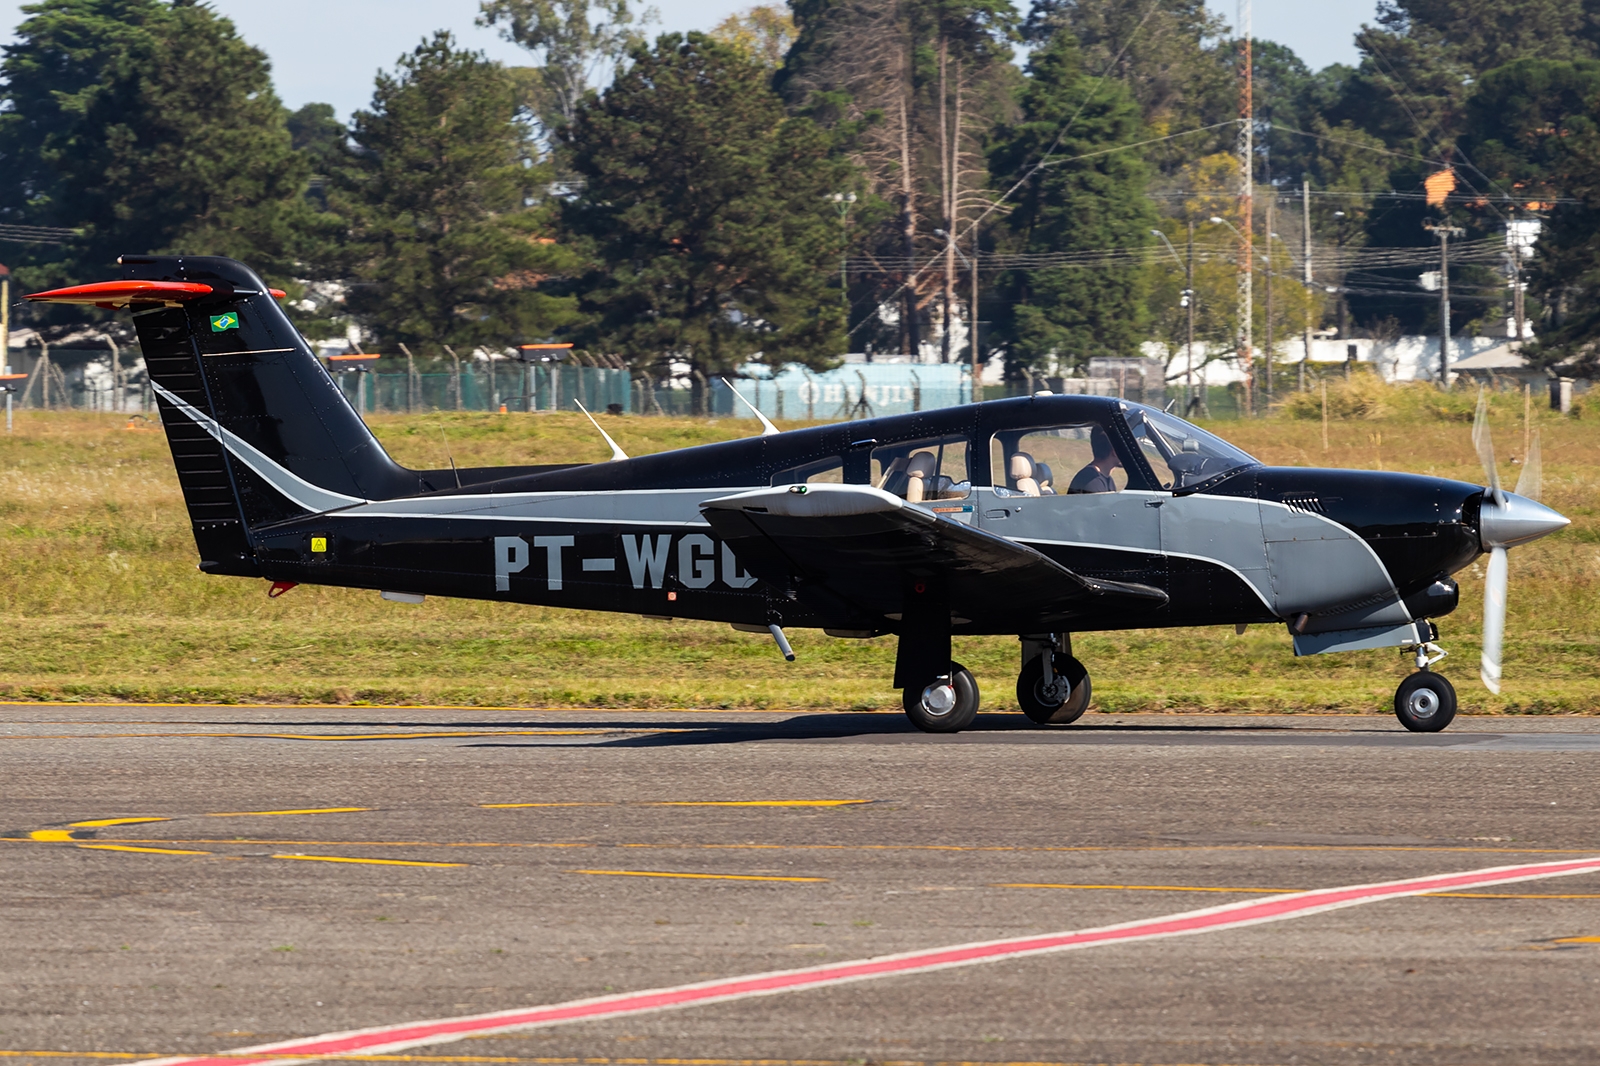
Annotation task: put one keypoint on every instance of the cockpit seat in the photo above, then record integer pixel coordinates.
(920, 475)
(1022, 473)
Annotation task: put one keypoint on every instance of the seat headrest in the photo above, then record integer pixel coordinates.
(923, 464)
(1021, 466)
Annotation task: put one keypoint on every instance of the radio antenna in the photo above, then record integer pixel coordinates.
(448, 456)
(616, 452)
(767, 428)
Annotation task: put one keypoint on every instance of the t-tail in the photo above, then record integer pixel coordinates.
(259, 430)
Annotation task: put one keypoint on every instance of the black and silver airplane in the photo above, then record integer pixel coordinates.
(1038, 516)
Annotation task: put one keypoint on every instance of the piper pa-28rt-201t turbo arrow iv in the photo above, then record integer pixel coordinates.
(1037, 516)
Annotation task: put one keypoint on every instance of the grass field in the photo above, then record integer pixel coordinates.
(101, 599)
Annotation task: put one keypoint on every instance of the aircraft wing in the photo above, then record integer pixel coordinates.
(867, 548)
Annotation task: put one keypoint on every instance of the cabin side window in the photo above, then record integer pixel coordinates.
(1058, 461)
(827, 470)
(924, 470)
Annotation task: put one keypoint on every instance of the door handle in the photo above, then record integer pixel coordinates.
(1154, 503)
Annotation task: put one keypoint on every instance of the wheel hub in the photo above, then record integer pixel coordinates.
(939, 698)
(1423, 703)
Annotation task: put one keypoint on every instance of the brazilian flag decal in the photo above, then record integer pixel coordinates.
(219, 323)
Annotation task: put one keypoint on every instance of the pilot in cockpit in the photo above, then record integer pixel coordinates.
(1096, 476)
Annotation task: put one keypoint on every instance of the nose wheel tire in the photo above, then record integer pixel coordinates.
(946, 704)
(1057, 704)
(1425, 702)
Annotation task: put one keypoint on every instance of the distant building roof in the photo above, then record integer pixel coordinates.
(1502, 358)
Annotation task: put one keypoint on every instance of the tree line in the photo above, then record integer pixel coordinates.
(837, 175)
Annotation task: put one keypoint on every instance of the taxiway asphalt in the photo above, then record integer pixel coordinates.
(184, 881)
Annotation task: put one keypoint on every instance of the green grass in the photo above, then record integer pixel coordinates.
(100, 598)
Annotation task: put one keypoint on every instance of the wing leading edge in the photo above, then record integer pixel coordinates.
(873, 551)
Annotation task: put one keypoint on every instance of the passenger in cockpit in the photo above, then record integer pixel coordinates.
(1096, 476)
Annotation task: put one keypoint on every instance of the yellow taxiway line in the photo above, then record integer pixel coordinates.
(146, 851)
(367, 862)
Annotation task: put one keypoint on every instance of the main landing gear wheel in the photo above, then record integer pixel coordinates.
(1425, 702)
(946, 704)
(1059, 703)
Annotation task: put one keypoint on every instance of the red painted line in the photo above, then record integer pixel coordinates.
(1207, 920)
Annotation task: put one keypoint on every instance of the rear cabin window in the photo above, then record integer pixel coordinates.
(1053, 462)
(829, 469)
(919, 471)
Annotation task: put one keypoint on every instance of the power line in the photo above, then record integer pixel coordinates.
(36, 234)
(1332, 257)
(1060, 133)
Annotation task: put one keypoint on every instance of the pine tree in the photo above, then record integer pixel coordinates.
(148, 126)
(1082, 198)
(705, 212)
(443, 242)
(1534, 127)
(915, 85)
(1174, 57)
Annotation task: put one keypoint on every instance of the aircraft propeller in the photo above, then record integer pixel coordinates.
(1505, 520)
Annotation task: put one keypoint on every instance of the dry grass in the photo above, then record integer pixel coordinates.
(101, 599)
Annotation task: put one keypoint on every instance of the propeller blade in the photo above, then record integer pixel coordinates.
(1485, 447)
(1494, 619)
(1531, 482)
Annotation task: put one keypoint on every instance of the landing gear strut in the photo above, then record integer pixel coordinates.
(1425, 702)
(1053, 687)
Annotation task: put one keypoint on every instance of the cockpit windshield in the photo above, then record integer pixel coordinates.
(1181, 455)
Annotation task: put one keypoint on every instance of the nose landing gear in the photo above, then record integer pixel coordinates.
(1425, 702)
(1053, 687)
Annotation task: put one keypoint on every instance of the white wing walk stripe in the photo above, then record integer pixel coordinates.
(296, 488)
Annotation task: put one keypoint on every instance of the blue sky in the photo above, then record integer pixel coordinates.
(328, 50)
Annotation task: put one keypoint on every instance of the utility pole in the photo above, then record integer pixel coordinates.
(1246, 151)
(1305, 239)
(1444, 232)
(1188, 301)
(972, 322)
(1272, 198)
(841, 203)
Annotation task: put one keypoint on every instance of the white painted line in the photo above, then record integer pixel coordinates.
(391, 1038)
